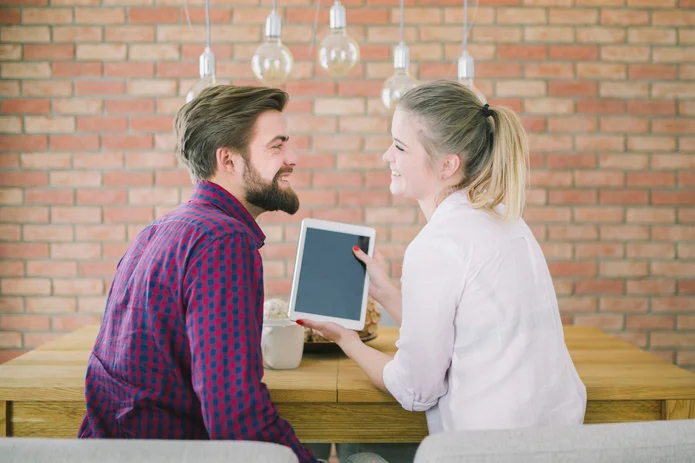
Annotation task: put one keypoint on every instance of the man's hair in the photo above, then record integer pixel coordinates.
(223, 116)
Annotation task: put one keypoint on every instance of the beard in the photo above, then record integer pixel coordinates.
(268, 195)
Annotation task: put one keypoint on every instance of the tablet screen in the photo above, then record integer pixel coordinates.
(331, 278)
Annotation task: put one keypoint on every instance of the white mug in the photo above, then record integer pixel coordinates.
(282, 344)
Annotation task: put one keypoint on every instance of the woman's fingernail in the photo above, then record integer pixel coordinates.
(355, 248)
(300, 322)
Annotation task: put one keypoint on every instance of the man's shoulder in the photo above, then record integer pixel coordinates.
(207, 224)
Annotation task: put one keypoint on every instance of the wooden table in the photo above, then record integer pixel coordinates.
(329, 399)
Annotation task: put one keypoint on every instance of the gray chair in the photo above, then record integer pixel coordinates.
(40, 450)
(643, 442)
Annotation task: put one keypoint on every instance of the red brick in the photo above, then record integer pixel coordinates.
(132, 34)
(51, 268)
(75, 214)
(128, 214)
(571, 160)
(521, 52)
(24, 322)
(623, 304)
(99, 15)
(48, 52)
(650, 215)
(25, 286)
(569, 268)
(651, 286)
(651, 250)
(652, 108)
(602, 106)
(23, 143)
(624, 17)
(650, 322)
(624, 269)
(130, 106)
(10, 16)
(604, 322)
(572, 124)
(26, 106)
(673, 197)
(74, 142)
(598, 214)
(674, 269)
(624, 232)
(572, 196)
(599, 287)
(78, 286)
(102, 124)
(129, 70)
(153, 15)
(577, 304)
(573, 232)
(624, 125)
(651, 179)
(574, 52)
(34, 214)
(101, 196)
(673, 233)
(74, 34)
(128, 141)
(48, 196)
(600, 142)
(99, 88)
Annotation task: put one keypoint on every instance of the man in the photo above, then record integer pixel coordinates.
(178, 353)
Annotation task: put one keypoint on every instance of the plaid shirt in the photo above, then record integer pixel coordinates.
(178, 352)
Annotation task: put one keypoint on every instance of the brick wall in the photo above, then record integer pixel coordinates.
(606, 89)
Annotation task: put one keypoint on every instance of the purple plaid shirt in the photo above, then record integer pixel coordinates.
(178, 352)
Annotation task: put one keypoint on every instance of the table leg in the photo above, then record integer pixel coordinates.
(4, 421)
(679, 409)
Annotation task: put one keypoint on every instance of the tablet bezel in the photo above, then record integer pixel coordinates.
(329, 225)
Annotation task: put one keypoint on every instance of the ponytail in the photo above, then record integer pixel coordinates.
(494, 152)
(502, 179)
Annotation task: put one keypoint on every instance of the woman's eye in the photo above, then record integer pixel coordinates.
(399, 148)
(277, 147)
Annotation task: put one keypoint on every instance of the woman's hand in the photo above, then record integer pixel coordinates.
(332, 332)
(380, 287)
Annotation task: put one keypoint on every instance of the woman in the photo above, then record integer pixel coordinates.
(481, 342)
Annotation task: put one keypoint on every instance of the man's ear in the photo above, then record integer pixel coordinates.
(228, 160)
(450, 166)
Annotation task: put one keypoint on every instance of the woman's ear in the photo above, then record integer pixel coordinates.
(450, 166)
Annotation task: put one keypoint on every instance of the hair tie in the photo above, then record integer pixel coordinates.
(486, 110)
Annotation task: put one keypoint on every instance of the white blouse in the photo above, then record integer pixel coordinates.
(481, 343)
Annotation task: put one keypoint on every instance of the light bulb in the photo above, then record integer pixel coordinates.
(466, 73)
(272, 63)
(207, 75)
(401, 81)
(339, 53)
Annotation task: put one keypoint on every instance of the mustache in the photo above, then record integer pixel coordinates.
(282, 171)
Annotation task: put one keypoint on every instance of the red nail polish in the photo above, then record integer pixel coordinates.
(355, 248)
(300, 322)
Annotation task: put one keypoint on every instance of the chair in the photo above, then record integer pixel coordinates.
(44, 450)
(642, 442)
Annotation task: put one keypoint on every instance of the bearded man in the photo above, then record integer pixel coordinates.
(178, 352)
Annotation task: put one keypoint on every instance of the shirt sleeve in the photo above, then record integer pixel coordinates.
(223, 320)
(432, 283)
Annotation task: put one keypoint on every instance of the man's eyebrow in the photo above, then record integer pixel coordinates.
(282, 138)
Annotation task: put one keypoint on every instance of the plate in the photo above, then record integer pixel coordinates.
(331, 346)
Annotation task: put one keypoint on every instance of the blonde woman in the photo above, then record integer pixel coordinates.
(481, 342)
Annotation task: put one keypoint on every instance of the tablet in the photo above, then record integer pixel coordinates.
(330, 283)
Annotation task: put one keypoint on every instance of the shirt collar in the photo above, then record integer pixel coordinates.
(222, 199)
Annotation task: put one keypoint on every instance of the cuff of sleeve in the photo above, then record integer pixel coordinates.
(402, 394)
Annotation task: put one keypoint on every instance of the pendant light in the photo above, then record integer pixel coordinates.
(272, 63)
(338, 53)
(206, 63)
(401, 81)
(466, 63)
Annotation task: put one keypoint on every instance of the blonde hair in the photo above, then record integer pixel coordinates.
(493, 150)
